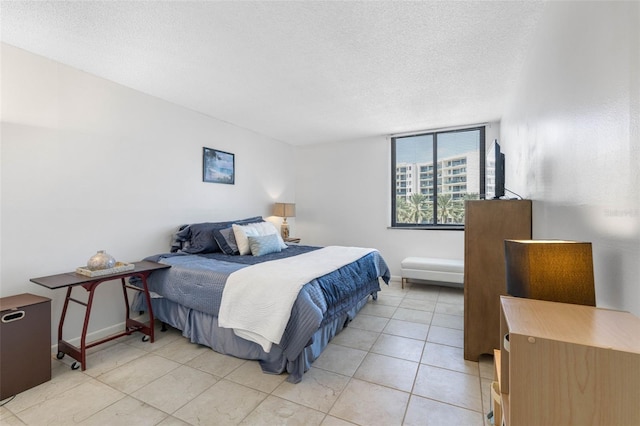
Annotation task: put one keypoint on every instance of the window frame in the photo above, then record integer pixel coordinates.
(434, 185)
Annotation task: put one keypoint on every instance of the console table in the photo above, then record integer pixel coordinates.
(71, 280)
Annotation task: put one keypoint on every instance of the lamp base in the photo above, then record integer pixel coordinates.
(284, 229)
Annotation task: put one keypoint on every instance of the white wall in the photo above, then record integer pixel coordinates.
(572, 140)
(88, 165)
(343, 196)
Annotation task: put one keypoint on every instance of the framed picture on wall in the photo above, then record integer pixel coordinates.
(218, 166)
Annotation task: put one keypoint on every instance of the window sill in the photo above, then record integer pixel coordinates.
(430, 227)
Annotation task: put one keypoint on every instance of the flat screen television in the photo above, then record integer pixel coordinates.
(494, 172)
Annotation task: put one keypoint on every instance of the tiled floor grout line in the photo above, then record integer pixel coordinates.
(415, 377)
(351, 378)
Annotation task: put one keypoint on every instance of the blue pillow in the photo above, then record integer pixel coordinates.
(200, 235)
(201, 239)
(264, 245)
(179, 238)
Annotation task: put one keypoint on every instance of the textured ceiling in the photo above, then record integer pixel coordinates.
(301, 72)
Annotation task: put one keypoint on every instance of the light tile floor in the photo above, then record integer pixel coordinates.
(400, 362)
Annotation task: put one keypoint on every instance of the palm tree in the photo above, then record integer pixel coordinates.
(402, 210)
(418, 209)
(444, 205)
(452, 211)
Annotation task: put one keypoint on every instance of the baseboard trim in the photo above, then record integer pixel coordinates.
(100, 334)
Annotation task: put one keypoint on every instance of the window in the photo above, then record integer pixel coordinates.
(449, 170)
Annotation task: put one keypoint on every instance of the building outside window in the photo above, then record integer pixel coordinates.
(433, 174)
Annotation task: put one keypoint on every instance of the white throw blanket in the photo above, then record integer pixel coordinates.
(257, 300)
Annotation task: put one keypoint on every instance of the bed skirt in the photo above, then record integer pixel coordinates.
(203, 329)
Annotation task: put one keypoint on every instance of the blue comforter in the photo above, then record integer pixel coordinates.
(197, 282)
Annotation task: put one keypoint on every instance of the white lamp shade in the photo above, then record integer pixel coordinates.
(284, 210)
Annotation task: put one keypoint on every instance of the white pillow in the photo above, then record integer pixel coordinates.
(259, 229)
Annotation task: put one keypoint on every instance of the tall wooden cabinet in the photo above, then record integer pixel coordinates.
(487, 224)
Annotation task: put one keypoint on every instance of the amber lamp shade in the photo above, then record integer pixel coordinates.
(553, 270)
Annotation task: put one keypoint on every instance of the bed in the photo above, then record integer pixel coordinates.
(237, 288)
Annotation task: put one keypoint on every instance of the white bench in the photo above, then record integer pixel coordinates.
(446, 271)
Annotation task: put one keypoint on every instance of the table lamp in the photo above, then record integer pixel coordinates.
(553, 270)
(284, 210)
